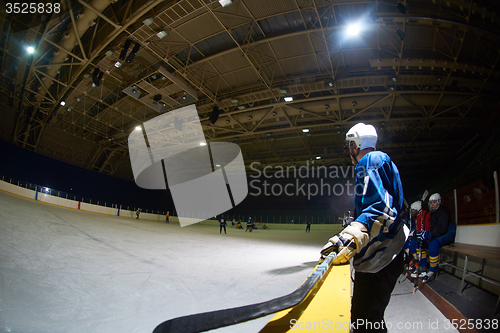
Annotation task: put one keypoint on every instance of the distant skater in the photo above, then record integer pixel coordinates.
(222, 222)
(308, 226)
(137, 212)
(249, 225)
(166, 217)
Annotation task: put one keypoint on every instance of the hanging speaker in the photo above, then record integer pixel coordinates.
(127, 44)
(136, 48)
(130, 57)
(97, 76)
(123, 54)
(215, 115)
(178, 123)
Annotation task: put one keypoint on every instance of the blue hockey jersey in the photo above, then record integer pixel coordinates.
(378, 206)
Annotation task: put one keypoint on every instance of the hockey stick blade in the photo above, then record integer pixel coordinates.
(202, 322)
(424, 196)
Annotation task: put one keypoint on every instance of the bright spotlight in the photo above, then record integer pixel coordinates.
(353, 29)
(30, 49)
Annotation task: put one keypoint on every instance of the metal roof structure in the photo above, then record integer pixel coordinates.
(425, 73)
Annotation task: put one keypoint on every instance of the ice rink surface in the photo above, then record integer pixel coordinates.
(63, 270)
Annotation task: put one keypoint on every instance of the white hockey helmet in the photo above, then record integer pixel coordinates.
(417, 205)
(364, 136)
(435, 197)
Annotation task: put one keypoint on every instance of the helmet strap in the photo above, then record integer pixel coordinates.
(355, 157)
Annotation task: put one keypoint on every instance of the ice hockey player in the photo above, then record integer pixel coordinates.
(375, 238)
(249, 224)
(421, 220)
(222, 222)
(442, 232)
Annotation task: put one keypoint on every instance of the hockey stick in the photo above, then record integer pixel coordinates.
(415, 286)
(202, 322)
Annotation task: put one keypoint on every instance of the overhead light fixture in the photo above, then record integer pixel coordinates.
(225, 3)
(118, 64)
(283, 91)
(109, 52)
(148, 21)
(305, 130)
(162, 34)
(138, 128)
(234, 101)
(393, 79)
(353, 29)
(203, 143)
(30, 49)
(318, 157)
(241, 107)
(288, 99)
(63, 103)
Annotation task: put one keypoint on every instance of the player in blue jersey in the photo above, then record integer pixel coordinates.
(375, 237)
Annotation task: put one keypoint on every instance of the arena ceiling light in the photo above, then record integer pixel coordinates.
(288, 99)
(162, 34)
(30, 49)
(353, 29)
(225, 3)
(148, 21)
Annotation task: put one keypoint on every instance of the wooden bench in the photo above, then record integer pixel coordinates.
(479, 251)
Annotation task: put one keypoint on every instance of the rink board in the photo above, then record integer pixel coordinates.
(325, 308)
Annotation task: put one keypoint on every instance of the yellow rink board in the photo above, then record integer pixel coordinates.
(326, 308)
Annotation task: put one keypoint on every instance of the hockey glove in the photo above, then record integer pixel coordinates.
(424, 235)
(346, 243)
